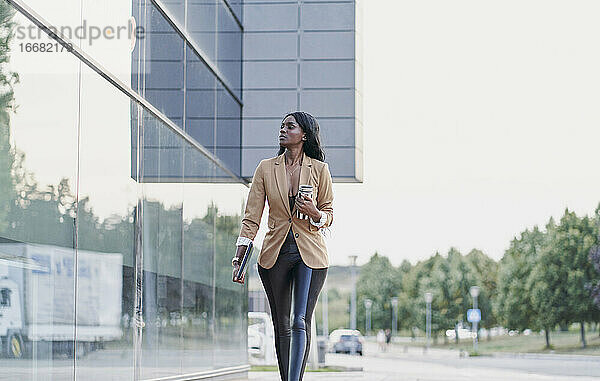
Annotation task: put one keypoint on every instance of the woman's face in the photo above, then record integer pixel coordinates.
(290, 132)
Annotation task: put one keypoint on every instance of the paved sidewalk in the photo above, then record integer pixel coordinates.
(444, 365)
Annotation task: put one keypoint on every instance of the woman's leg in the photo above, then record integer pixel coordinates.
(307, 286)
(277, 282)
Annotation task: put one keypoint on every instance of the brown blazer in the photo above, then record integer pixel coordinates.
(269, 181)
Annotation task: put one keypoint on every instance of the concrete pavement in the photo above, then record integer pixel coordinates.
(442, 365)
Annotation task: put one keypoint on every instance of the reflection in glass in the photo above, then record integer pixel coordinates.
(237, 8)
(38, 152)
(91, 186)
(229, 49)
(105, 231)
(159, 58)
(162, 160)
(198, 274)
(229, 126)
(200, 101)
(201, 26)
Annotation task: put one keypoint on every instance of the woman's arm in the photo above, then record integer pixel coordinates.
(251, 221)
(325, 196)
(254, 208)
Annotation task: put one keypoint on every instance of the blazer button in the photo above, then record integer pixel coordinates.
(289, 220)
(296, 235)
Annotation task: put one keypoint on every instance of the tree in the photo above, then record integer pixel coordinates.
(561, 273)
(594, 256)
(513, 305)
(545, 299)
(594, 287)
(449, 280)
(379, 281)
(7, 106)
(411, 299)
(485, 271)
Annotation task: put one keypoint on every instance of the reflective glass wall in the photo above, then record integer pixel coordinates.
(188, 64)
(116, 229)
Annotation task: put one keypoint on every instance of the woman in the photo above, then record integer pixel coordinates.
(294, 254)
(381, 340)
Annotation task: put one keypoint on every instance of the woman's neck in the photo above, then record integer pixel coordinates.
(293, 155)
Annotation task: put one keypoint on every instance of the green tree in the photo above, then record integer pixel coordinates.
(7, 106)
(449, 279)
(411, 298)
(379, 281)
(594, 257)
(519, 299)
(462, 278)
(431, 275)
(562, 272)
(485, 273)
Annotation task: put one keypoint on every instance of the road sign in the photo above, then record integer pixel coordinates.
(474, 315)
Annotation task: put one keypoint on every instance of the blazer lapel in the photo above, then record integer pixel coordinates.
(281, 181)
(305, 170)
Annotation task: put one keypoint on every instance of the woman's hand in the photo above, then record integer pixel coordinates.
(306, 206)
(236, 265)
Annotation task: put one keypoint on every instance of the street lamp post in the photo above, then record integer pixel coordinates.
(394, 315)
(353, 299)
(325, 305)
(475, 293)
(368, 305)
(428, 300)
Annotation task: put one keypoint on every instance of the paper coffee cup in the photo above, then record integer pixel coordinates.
(306, 191)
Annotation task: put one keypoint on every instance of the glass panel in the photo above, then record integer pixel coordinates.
(176, 9)
(212, 216)
(201, 26)
(162, 174)
(229, 129)
(231, 299)
(38, 163)
(66, 18)
(199, 244)
(105, 240)
(111, 33)
(229, 50)
(200, 101)
(104, 29)
(158, 59)
(237, 8)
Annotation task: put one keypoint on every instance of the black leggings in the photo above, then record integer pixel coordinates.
(292, 345)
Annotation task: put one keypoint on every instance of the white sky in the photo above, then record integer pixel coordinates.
(480, 119)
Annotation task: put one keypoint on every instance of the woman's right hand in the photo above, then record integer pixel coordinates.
(236, 266)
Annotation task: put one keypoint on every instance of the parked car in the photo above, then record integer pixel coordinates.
(261, 343)
(463, 333)
(346, 341)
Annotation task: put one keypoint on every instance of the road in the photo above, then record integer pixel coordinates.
(442, 365)
(395, 365)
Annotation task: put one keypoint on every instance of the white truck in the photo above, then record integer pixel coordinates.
(40, 299)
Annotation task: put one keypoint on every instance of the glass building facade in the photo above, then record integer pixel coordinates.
(121, 193)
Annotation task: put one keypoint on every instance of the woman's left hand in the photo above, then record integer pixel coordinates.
(306, 206)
